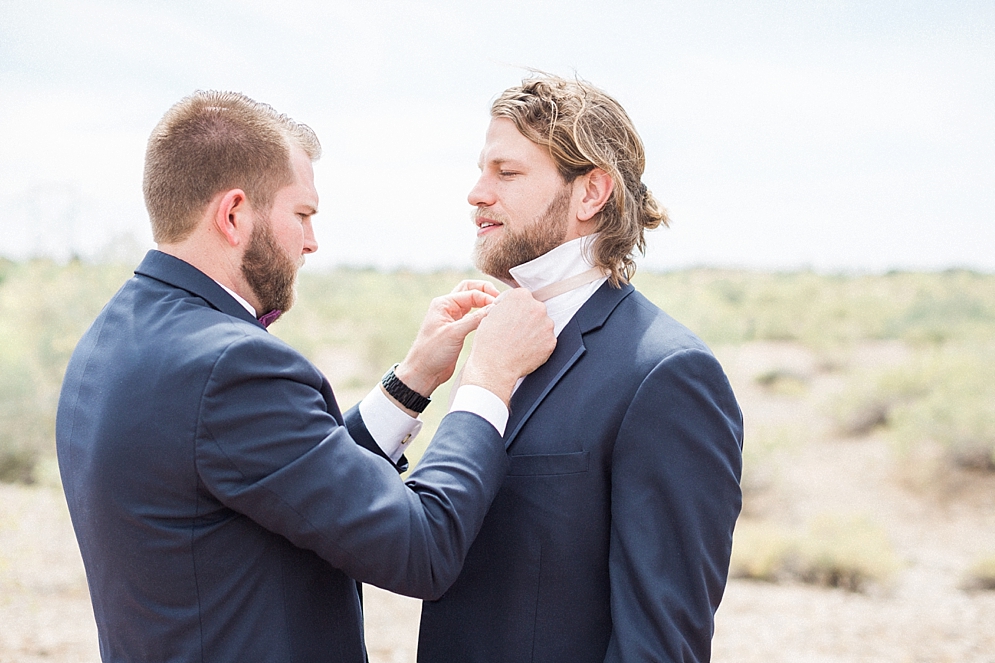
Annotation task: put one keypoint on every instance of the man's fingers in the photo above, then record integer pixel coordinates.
(471, 321)
(515, 337)
(476, 284)
(520, 296)
(467, 300)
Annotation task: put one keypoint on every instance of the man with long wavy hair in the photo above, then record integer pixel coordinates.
(610, 538)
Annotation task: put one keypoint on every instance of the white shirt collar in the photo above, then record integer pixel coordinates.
(238, 298)
(566, 260)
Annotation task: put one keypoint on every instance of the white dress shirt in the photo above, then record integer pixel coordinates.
(563, 262)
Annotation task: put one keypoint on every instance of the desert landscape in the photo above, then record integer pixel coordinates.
(868, 531)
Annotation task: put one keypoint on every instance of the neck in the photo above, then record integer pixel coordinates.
(225, 267)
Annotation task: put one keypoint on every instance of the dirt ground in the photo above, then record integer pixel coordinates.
(921, 616)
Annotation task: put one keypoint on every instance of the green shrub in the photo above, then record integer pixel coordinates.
(870, 398)
(761, 447)
(851, 553)
(44, 309)
(762, 551)
(823, 311)
(958, 409)
(27, 418)
(981, 575)
(847, 552)
(783, 382)
(944, 396)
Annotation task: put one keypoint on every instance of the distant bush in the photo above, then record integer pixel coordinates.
(822, 311)
(44, 309)
(783, 382)
(846, 552)
(957, 411)
(944, 396)
(871, 398)
(981, 576)
(6, 266)
(27, 422)
(851, 553)
(761, 447)
(763, 551)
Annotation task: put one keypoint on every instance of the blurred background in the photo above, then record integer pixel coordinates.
(830, 171)
(832, 135)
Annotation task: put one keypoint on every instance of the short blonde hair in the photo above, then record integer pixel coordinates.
(216, 141)
(583, 128)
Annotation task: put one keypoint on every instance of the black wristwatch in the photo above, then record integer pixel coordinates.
(404, 394)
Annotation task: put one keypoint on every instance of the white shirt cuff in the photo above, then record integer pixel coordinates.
(390, 426)
(479, 401)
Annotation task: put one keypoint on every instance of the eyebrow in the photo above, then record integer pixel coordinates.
(500, 161)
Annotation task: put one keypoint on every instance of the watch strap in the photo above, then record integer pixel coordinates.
(402, 393)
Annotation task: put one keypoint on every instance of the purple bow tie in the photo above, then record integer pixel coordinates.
(267, 319)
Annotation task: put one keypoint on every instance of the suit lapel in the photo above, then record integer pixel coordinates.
(569, 349)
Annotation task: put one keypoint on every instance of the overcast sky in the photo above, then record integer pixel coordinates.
(845, 135)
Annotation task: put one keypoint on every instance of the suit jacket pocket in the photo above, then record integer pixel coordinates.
(546, 464)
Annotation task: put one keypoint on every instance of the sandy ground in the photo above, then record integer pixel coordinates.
(921, 616)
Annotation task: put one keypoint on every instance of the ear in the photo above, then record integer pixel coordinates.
(232, 217)
(597, 187)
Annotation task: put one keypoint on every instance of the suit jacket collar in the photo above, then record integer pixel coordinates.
(180, 274)
(569, 348)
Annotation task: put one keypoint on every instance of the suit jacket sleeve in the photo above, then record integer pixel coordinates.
(358, 431)
(675, 499)
(268, 447)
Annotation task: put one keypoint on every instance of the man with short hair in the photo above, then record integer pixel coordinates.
(224, 507)
(610, 538)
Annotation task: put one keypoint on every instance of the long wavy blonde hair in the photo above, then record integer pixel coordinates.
(583, 128)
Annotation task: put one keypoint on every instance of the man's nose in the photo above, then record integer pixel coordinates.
(482, 194)
(310, 243)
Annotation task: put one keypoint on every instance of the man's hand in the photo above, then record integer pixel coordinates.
(513, 340)
(432, 357)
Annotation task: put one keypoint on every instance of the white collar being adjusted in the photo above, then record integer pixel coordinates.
(566, 263)
(238, 298)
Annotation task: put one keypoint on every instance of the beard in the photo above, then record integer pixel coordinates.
(496, 256)
(269, 271)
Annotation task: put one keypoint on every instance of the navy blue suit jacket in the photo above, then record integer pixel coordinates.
(610, 537)
(224, 508)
